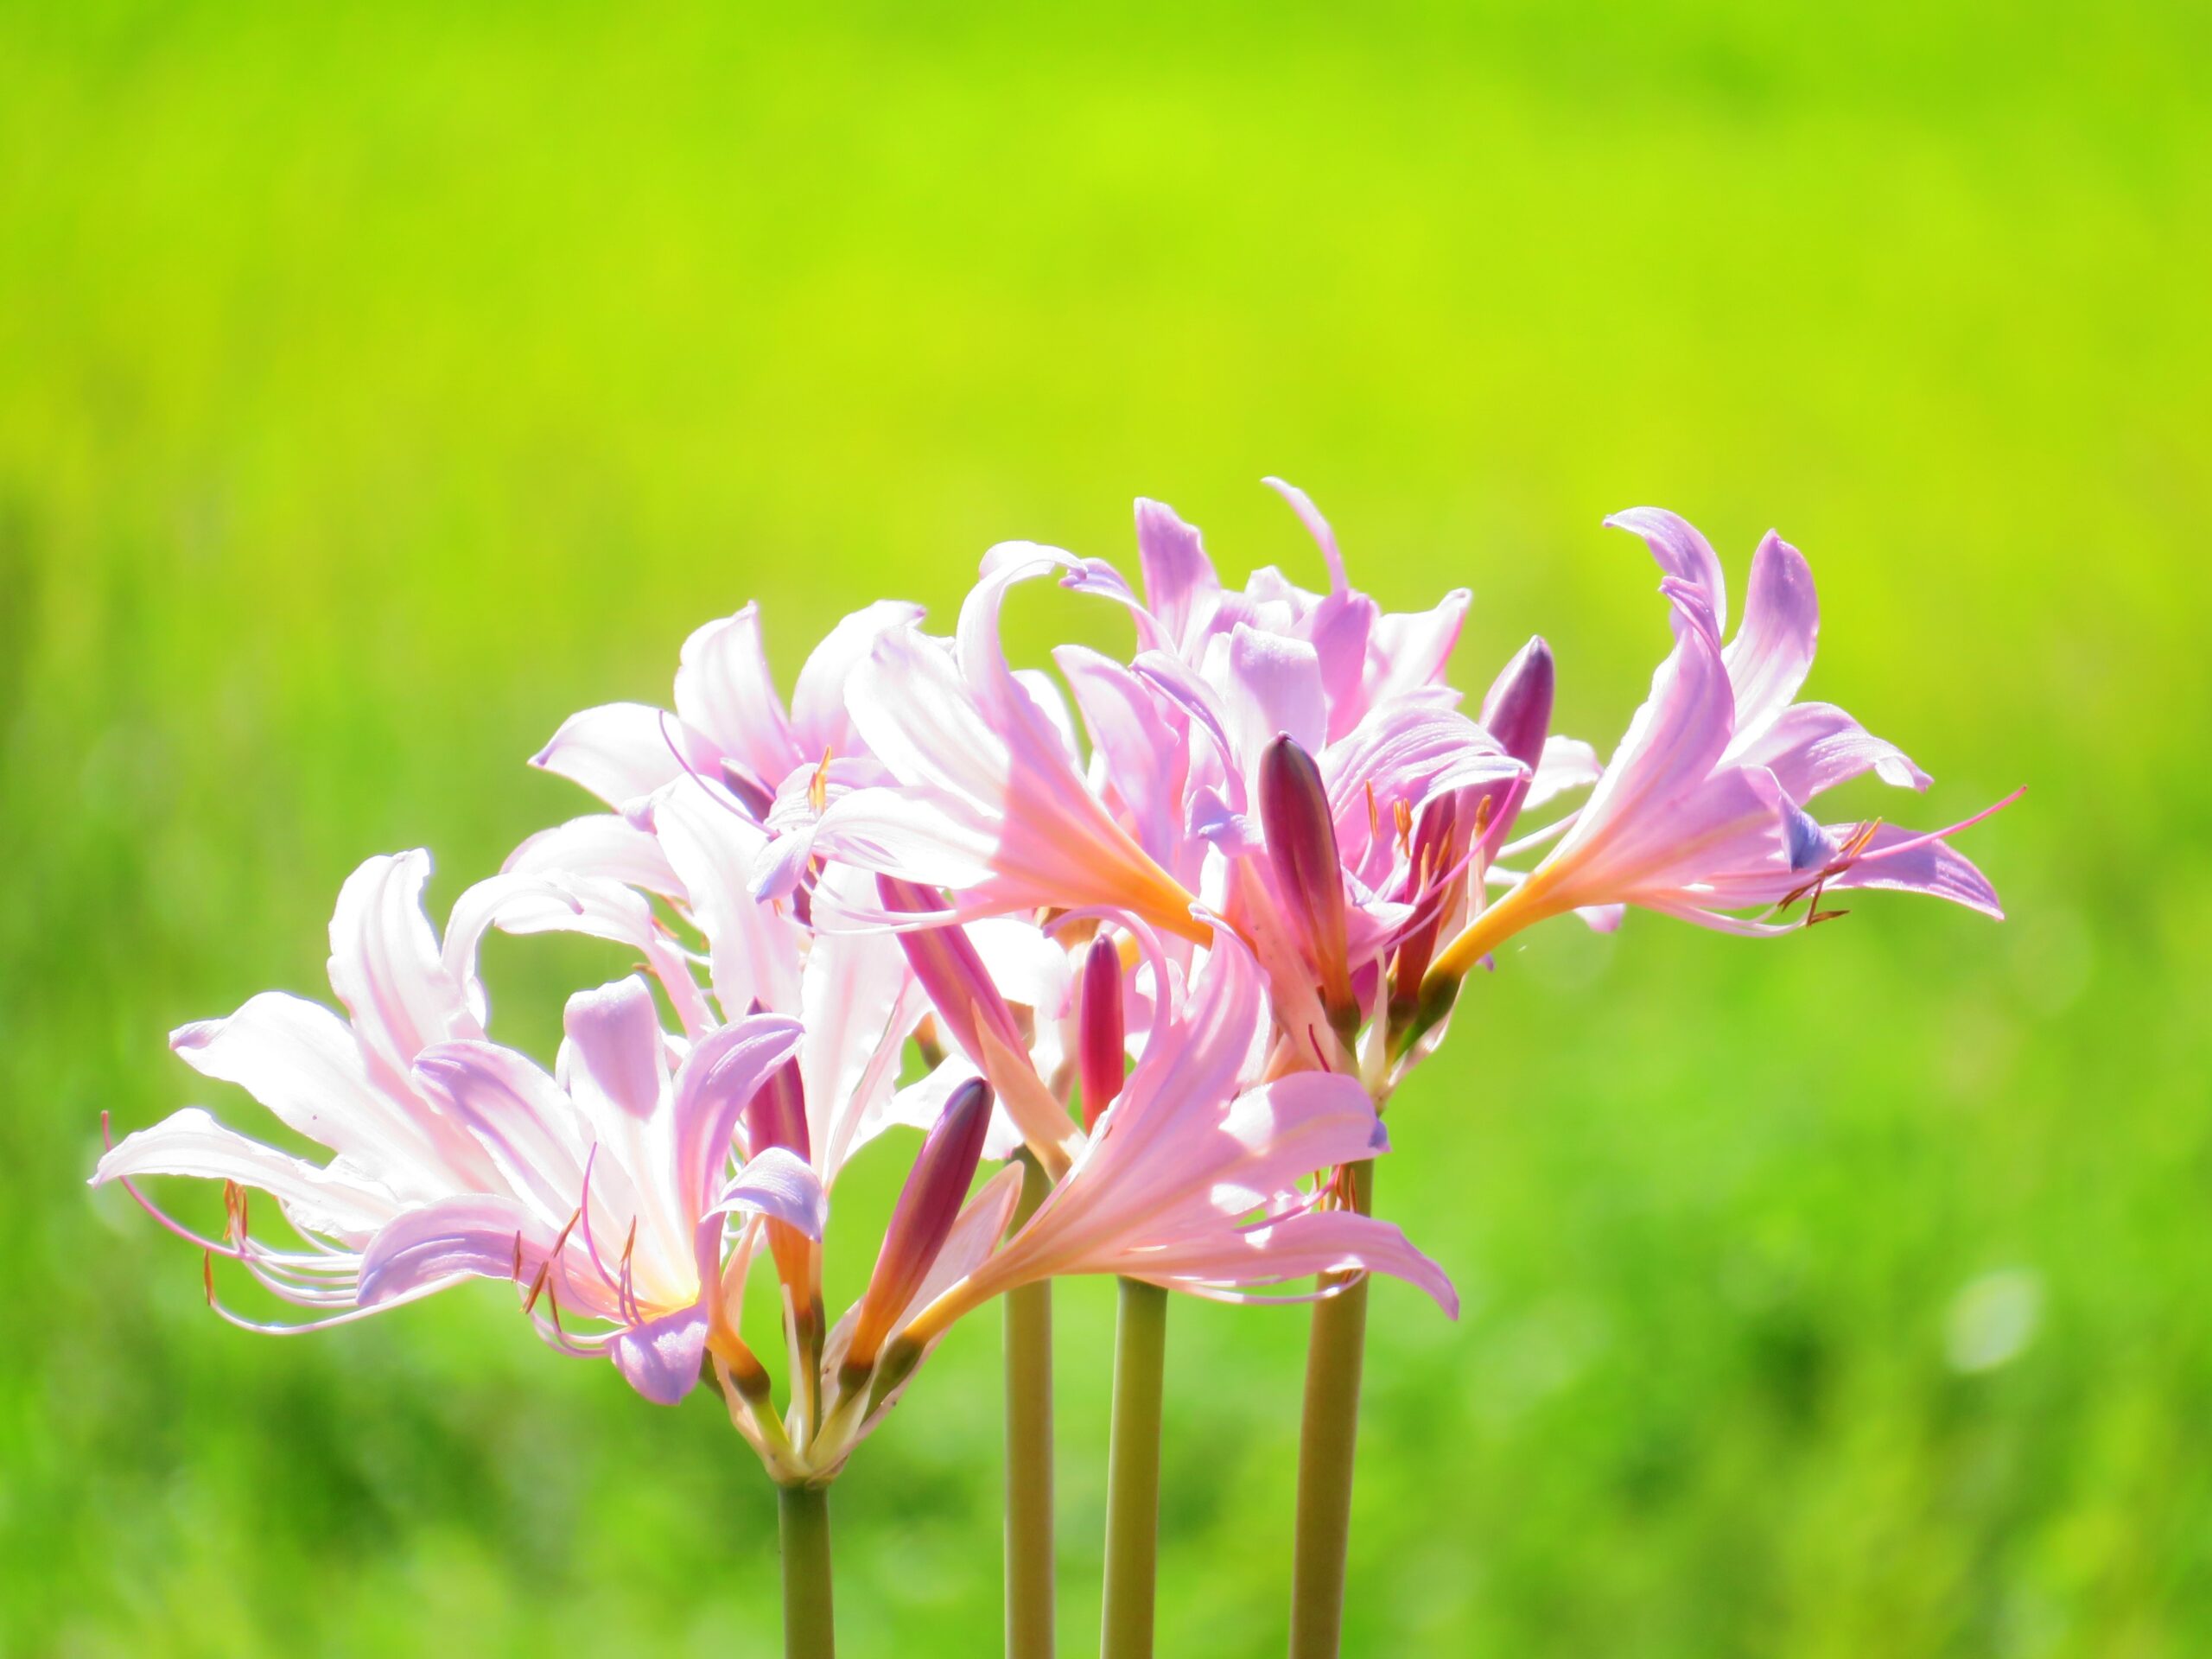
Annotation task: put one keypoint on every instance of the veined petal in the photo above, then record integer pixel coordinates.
(1295, 1248)
(713, 846)
(601, 844)
(859, 1002)
(1316, 526)
(1181, 587)
(1671, 749)
(1813, 746)
(385, 964)
(522, 903)
(1409, 649)
(820, 721)
(779, 1183)
(520, 1115)
(718, 1079)
(479, 1234)
(936, 838)
(1693, 581)
(910, 706)
(618, 1066)
(1339, 630)
(660, 1358)
(1905, 861)
(620, 751)
(724, 690)
(191, 1142)
(301, 1061)
(1142, 740)
(1772, 651)
(1269, 684)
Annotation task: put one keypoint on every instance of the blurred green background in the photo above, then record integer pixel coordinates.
(379, 384)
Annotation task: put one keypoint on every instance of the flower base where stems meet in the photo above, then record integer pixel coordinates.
(1326, 1441)
(802, 1514)
(1133, 1478)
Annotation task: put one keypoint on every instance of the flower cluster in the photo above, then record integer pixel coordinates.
(1158, 936)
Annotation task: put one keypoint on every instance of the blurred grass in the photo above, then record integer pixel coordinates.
(377, 384)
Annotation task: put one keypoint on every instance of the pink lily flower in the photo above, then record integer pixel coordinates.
(1192, 1176)
(729, 724)
(991, 799)
(1700, 812)
(600, 1195)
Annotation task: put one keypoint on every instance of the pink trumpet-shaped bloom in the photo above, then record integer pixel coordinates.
(992, 799)
(1192, 1178)
(1701, 811)
(779, 765)
(600, 1194)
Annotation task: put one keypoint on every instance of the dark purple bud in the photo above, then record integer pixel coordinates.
(1302, 847)
(922, 1219)
(1518, 710)
(945, 961)
(1102, 1042)
(776, 1116)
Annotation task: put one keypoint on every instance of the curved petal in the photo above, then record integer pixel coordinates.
(724, 690)
(191, 1142)
(1181, 587)
(616, 1057)
(386, 967)
(820, 721)
(661, 1358)
(779, 1183)
(522, 903)
(1316, 526)
(1813, 746)
(518, 1114)
(301, 1061)
(713, 846)
(1671, 747)
(479, 1235)
(1692, 580)
(1905, 861)
(1409, 649)
(1296, 1246)
(620, 751)
(602, 844)
(1772, 652)
(1270, 685)
(716, 1082)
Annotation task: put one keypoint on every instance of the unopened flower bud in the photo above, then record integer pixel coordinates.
(1302, 846)
(921, 1221)
(1102, 1044)
(776, 1115)
(951, 971)
(1517, 711)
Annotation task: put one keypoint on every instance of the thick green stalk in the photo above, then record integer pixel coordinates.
(1133, 1472)
(809, 1629)
(1326, 1440)
(1029, 1550)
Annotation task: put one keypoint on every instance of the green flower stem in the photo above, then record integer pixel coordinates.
(1326, 1440)
(809, 1629)
(1133, 1472)
(1029, 1549)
